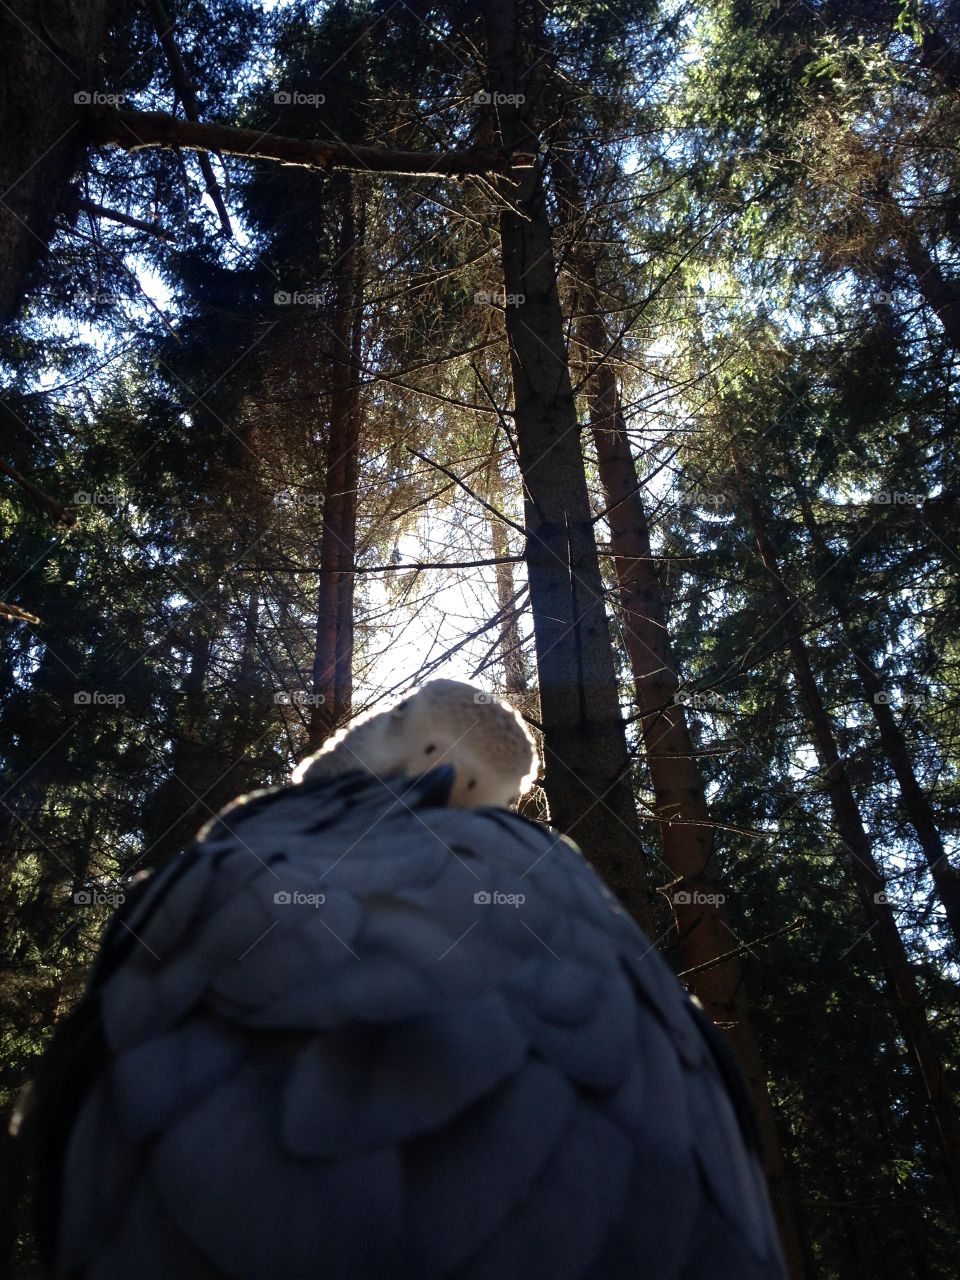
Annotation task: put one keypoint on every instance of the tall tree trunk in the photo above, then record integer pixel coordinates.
(333, 656)
(511, 645)
(916, 804)
(902, 991)
(702, 919)
(50, 53)
(587, 775)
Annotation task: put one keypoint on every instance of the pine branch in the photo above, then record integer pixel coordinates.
(136, 130)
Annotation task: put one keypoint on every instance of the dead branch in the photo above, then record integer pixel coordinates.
(136, 130)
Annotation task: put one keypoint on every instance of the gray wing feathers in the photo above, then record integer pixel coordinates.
(354, 1035)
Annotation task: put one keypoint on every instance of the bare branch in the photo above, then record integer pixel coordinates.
(136, 130)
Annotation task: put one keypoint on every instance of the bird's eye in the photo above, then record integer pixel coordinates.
(429, 750)
(471, 784)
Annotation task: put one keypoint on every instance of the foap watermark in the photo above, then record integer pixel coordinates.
(98, 298)
(95, 98)
(99, 898)
(95, 498)
(887, 698)
(290, 498)
(296, 298)
(896, 498)
(884, 898)
(695, 498)
(299, 698)
(485, 298)
(483, 98)
(695, 898)
(294, 98)
(298, 898)
(495, 898)
(97, 698)
(706, 700)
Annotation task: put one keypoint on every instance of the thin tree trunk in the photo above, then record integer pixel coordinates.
(903, 993)
(702, 919)
(511, 647)
(587, 776)
(332, 666)
(916, 804)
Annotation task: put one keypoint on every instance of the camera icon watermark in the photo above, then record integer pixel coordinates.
(486, 898)
(297, 898)
(296, 298)
(94, 98)
(95, 498)
(895, 498)
(97, 698)
(695, 898)
(294, 98)
(484, 298)
(99, 898)
(483, 98)
(298, 699)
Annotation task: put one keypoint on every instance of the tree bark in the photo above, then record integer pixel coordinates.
(333, 655)
(702, 919)
(587, 767)
(904, 996)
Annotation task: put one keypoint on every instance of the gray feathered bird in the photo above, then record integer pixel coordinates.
(356, 1032)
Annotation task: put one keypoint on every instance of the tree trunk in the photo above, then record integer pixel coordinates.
(50, 53)
(703, 928)
(903, 993)
(587, 775)
(916, 804)
(333, 657)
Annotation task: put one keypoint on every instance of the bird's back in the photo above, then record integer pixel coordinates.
(355, 1033)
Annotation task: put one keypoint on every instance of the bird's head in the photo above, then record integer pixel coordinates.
(443, 722)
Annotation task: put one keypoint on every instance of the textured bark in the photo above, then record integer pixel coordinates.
(916, 803)
(703, 928)
(333, 655)
(587, 779)
(50, 52)
(903, 993)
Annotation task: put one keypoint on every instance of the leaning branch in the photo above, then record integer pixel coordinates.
(63, 514)
(135, 130)
(139, 224)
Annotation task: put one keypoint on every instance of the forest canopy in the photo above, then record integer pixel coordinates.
(602, 354)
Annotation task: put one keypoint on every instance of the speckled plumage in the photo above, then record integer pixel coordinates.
(419, 1077)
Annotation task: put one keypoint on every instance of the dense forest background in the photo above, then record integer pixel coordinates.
(604, 354)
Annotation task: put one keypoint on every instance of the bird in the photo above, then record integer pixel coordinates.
(360, 1031)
